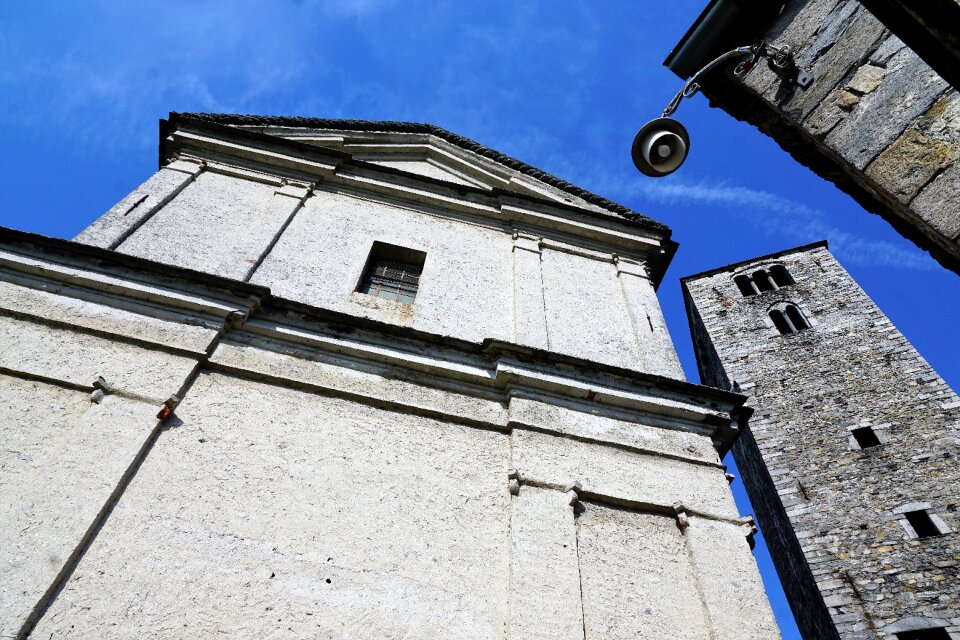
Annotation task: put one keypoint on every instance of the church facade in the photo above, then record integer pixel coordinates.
(344, 379)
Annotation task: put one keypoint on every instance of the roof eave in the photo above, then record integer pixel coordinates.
(768, 256)
(721, 26)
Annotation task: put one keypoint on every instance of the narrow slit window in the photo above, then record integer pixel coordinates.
(925, 634)
(781, 276)
(392, 273)
(922, 524)
(866, 437)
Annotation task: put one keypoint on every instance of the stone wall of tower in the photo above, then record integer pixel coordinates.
(832, 511)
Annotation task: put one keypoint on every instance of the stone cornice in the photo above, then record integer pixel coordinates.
(491, 371)
(406, 128)
(230, 149)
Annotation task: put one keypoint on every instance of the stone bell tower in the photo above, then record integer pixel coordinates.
(851, 459)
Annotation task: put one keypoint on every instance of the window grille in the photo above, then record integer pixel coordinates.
(392, 273)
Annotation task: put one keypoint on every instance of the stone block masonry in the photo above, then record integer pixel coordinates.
(877, 119)
(851, 457)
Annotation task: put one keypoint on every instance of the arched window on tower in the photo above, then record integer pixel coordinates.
(781, 276)
(796, 318)
(788, 319)
(745, 284)
(780, 321)
(763, 280)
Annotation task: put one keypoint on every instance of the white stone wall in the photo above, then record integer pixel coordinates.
(316, 483)
(267, 512)
(497, 267)
(465, 290)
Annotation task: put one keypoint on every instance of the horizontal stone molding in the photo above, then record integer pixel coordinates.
(274, 164)
(481, 375)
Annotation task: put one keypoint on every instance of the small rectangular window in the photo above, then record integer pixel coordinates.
(922, 524)
(392, 273)
(865, 437)
(925, 634)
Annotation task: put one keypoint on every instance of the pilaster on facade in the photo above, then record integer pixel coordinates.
(653, 339)
(287, 199)
(545, 598)
(124, 218)
(529, 309)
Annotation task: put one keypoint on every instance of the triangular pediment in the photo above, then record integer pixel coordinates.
(425, 151)
(431, 156)
(422, 164)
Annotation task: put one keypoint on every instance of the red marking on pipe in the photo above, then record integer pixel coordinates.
(591, 395)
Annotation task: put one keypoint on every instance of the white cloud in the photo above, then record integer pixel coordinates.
(777, 216)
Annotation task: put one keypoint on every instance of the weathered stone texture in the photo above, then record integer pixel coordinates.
(217, 224)
(728, 593)
(930, 203)
(267, 510)
(62, 458)
(113, 227)
(877, 120)
(601, 426)
(81, 309)
(612, 472)
(78, 358)
(573, 285)
(545, 598)
(829, 510)
(908, 89)
(910, 162)
(636, 564)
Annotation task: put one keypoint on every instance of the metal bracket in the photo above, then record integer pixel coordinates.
(781, 62)
(779, 59)
(168, 406)
(515, 479)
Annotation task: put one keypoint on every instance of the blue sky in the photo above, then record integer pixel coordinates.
(561, 85)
